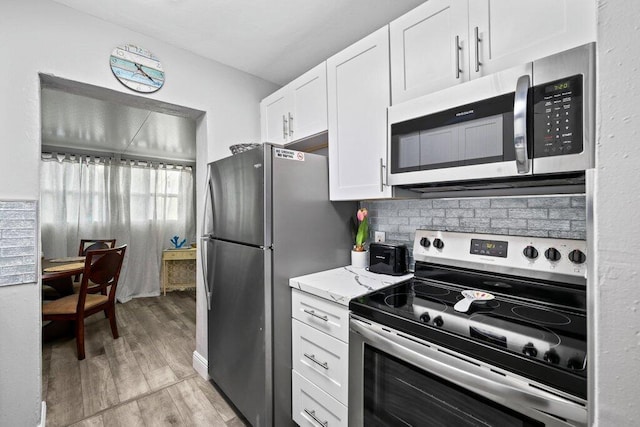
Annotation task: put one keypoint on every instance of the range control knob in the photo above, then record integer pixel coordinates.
(438, 321)
(530, 252)
(575, 363)
(425, 317)
(552, 254)
(552, 356)
(530, 350)
(424, 242)
(438, 244)
(577, 256)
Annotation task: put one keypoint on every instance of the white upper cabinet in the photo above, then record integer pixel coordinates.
(297, 110)
(308, 103)
(273, 118)
(424, 54)
(509, 33)
(358, 97)
(491, 36)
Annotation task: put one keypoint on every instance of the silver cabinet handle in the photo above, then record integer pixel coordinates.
(312, 357)
(284, 127)
(313, 415)
(381, 175)
(313, 313)
(478, 40)
(457, 52)
(520, 124)
(290, 124)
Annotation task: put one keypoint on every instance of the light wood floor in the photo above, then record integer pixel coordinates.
(144, 378)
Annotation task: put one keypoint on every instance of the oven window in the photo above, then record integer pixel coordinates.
(398, 394)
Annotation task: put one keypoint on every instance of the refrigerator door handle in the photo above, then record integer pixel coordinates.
(205, 239)
(204, 243)
(208, 201)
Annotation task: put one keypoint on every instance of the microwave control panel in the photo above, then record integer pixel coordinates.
(557, 113)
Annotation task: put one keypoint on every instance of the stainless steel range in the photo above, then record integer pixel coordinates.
(491, 331)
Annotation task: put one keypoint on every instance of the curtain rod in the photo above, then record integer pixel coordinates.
(117, 156)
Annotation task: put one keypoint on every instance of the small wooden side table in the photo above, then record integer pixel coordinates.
(178, 269)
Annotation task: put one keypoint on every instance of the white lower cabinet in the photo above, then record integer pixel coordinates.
(322, 359)
(320, 356)
(322, 314)
(312, 407)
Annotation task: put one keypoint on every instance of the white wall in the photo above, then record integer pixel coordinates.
(42, 36)
(617, 221)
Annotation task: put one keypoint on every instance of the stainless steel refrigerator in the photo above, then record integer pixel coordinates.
(268, 218)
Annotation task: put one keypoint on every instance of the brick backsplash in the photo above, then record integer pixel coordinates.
(18, 242)
(559, 216)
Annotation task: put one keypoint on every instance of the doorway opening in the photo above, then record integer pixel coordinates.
(120, 166)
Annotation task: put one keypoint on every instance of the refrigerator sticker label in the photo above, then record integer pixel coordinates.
(289, 154)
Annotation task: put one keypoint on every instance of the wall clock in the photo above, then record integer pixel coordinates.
(137, 68)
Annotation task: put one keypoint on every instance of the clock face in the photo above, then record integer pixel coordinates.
(137, 68)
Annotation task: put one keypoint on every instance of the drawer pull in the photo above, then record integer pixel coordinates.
(312, 357)
(313, 313)
(313, 415)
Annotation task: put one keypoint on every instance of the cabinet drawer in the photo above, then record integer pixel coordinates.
(321, 359)
(324, 315)
(179, 254)
(312, 407)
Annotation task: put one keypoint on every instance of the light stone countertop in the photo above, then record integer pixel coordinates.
(342, 284)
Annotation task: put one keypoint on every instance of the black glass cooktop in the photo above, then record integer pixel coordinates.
(534, 328)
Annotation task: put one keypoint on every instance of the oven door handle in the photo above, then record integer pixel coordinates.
(459, 372)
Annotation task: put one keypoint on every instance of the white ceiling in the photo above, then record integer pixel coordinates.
(276, 40)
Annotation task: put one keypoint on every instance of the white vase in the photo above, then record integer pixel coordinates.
(360, 259)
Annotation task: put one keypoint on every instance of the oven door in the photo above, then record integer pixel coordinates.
(398, 380)
(466, 132)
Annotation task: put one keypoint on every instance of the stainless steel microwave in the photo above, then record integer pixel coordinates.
(534, 120)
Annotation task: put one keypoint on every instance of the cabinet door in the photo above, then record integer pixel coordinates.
(358, 97)
(312, 407)
(321, 314)
(424, 55)
(509, 33)
(274, 111)
(321, 359)
(308, 115)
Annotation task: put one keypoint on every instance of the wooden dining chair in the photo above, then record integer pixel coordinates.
(91, 245)
(101, 273)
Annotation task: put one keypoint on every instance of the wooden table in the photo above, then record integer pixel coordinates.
(61, 281)
(178, 269)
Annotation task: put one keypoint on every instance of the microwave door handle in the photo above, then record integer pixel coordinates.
(520, 124)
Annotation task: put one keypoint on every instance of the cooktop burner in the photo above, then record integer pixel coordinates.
(541, 315)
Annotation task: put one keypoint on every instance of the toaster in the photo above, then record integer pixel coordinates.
(385, 258)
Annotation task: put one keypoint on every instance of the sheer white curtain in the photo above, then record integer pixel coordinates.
(140, 204)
